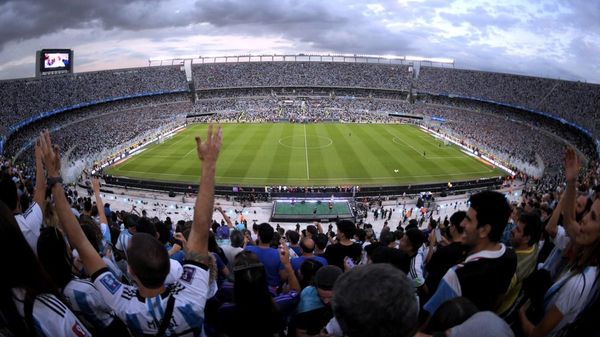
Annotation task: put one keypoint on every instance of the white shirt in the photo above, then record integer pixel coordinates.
(51, 317)
(230, 253)
(123, 241)
(85, 300)
(571, 296)
(144, 315)
(30, 223)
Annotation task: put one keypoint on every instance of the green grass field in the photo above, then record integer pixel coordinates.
(309, 155)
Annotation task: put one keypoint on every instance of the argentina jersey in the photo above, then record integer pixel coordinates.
(123, 241)
(86, 302)
(144, 315)
(51, 317)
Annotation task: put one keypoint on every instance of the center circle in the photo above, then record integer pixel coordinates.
(323, 142)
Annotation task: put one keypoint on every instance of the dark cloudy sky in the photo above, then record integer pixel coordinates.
(553, 38)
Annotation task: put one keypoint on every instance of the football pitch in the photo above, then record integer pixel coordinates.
(328, 154)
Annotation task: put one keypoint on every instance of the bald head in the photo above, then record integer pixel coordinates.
(307, 245)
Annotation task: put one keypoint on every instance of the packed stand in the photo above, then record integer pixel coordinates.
(576, 102)
(509, 135)
(494, 269)
(321, 74)
(27, 98)
(298, 109)
(123, 120)
(507, 140)
(573, 136)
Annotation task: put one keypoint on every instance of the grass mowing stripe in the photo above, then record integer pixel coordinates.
(354, 166)
(378, 148)
(237, 160)
(337, 154)
(319, 146)
(306, 153)
(281, 154)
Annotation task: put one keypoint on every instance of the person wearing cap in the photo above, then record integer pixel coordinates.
(314, 310)
(410, 244)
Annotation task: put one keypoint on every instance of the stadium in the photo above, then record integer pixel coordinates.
(150, 109)
(306, 138)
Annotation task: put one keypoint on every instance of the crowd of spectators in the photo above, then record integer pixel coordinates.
(298, 108)
(101, 128)
(529, 268)
(27, 98)
(538, 122)
(506, 140)
(295, 74)
(322, 91)
(576, 102)
(523, 140)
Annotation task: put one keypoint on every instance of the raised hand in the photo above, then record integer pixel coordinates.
(179, 236)
(209, 150)
(432, 238)
(50, 154)
(96, 185)
(284, 253)
(572, 164)
(38, 154)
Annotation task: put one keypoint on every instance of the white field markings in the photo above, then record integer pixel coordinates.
(445, 149)
(153, 148)
(394, 138)
(446, 157)
(190, 151)
(319, 179)
(426, 137)
(306, 153)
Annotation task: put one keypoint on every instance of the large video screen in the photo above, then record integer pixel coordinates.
(55, 59)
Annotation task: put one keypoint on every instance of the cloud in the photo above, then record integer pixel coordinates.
(538, 37)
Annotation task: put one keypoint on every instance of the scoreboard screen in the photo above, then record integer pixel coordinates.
(54, 61)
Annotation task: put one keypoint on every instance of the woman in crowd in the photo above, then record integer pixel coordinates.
(83, 297)
(257, 311)
(569, 294)
(30, 303)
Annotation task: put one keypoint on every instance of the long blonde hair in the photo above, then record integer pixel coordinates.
(50, 216)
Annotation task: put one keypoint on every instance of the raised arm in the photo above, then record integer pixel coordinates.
(225, 217)
(88, 254)
(552, 225)
(290, 276)
(99, 202)
(571, 172)
(319, 227)
(208, 152)
(39, 195)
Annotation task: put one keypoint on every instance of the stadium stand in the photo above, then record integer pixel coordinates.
(575, 102)
(525, 268)
(500, 252)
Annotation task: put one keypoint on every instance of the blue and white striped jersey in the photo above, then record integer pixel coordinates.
(86, 302)
(50, 316)
(144, 315)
